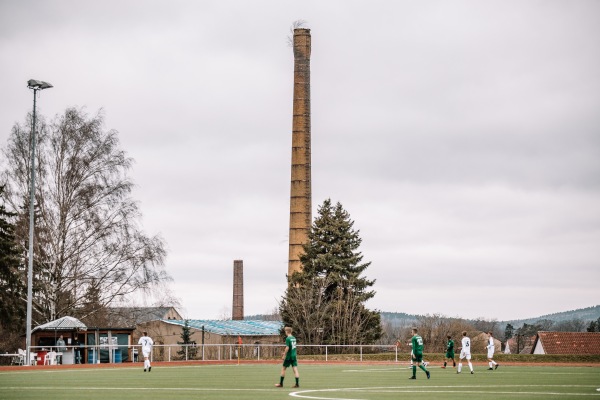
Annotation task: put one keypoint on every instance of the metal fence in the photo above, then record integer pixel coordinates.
(223, 352)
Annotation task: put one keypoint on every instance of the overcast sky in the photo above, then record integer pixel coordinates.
(463, 137)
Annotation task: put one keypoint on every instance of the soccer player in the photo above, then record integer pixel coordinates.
(490, 350)
(417, 354)
(450, 352)
(146, 342)
(289, 358)
(465, 352)
(412, 355)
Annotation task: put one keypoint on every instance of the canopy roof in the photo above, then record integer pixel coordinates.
(62, 324)
(237, 328)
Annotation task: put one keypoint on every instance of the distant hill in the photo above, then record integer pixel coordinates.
(400, 319)
(397, 319)
(586, 314)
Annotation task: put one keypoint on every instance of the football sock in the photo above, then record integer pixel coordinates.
(444, 363)
(414, 368)
(470, 366)
(494, 362)
(459, 366)
(423, 367)
(490, 364)
(297, 381)
(281, 380)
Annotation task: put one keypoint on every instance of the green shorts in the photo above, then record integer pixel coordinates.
(450, 354)
(290, 362)
(418, 357)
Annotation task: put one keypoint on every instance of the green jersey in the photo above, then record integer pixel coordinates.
(290, 343)
(417, 344)
(450, 347)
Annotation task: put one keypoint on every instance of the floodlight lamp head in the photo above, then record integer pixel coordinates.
(38, 85)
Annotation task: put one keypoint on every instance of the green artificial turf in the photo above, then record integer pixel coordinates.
(247, 381)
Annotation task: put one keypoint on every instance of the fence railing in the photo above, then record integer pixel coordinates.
(93, 354)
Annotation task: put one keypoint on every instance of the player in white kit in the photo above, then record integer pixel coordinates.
(490, 350)
(465, 352)
(146, 342)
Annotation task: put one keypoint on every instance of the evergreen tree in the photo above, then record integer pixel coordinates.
(12, 288)
(325, 301)
(186, 341)
(594, 326)
(509, 331)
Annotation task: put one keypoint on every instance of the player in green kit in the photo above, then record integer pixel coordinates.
(289, 358)
(450, 352)
(417, 346)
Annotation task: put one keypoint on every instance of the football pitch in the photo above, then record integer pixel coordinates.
(248, 381)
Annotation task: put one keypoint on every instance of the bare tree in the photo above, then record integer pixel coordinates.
(89, 249)
(435, 328)
(303, 308)
(571, 325)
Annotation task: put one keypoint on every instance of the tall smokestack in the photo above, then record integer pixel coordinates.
(300, 196)
(238, 290)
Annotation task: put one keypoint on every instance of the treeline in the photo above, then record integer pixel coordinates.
(435, 328)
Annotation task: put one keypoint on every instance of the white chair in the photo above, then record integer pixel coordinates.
(20, 358)
(50, 358)
(32, 357)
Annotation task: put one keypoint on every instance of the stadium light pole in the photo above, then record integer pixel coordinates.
(36, 86)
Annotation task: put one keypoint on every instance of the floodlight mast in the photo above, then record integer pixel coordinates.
(34, 85)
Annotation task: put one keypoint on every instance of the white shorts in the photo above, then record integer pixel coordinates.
(146, 354)
(491, 353)
(464, 354)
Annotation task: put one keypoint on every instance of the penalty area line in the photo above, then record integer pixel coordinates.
(314, 394)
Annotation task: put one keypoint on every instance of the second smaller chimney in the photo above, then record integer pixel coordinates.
(238, 290)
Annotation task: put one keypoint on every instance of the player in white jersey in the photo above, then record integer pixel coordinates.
(490, 350)
(146, 342)
(465, 352)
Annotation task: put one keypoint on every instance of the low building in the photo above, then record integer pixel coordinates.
(217, 338)
(481, 340)
(133, 316)
(519, 344)
(83, 344)
(577, 343)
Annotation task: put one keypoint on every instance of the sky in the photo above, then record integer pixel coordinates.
(463, 137)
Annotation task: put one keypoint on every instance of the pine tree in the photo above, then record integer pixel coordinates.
(12, 288)
(594, 326)
(186, 341)
(325, 301)
(509, 331)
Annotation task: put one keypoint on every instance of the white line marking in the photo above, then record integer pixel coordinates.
(304, 394)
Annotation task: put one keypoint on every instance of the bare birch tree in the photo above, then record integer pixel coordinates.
(90, 251)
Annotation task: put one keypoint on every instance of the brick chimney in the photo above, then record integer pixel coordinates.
(238, 290)
(300, 193)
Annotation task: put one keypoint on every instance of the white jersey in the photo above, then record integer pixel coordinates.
(490, 347)
(146, 343)
(466, 345)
